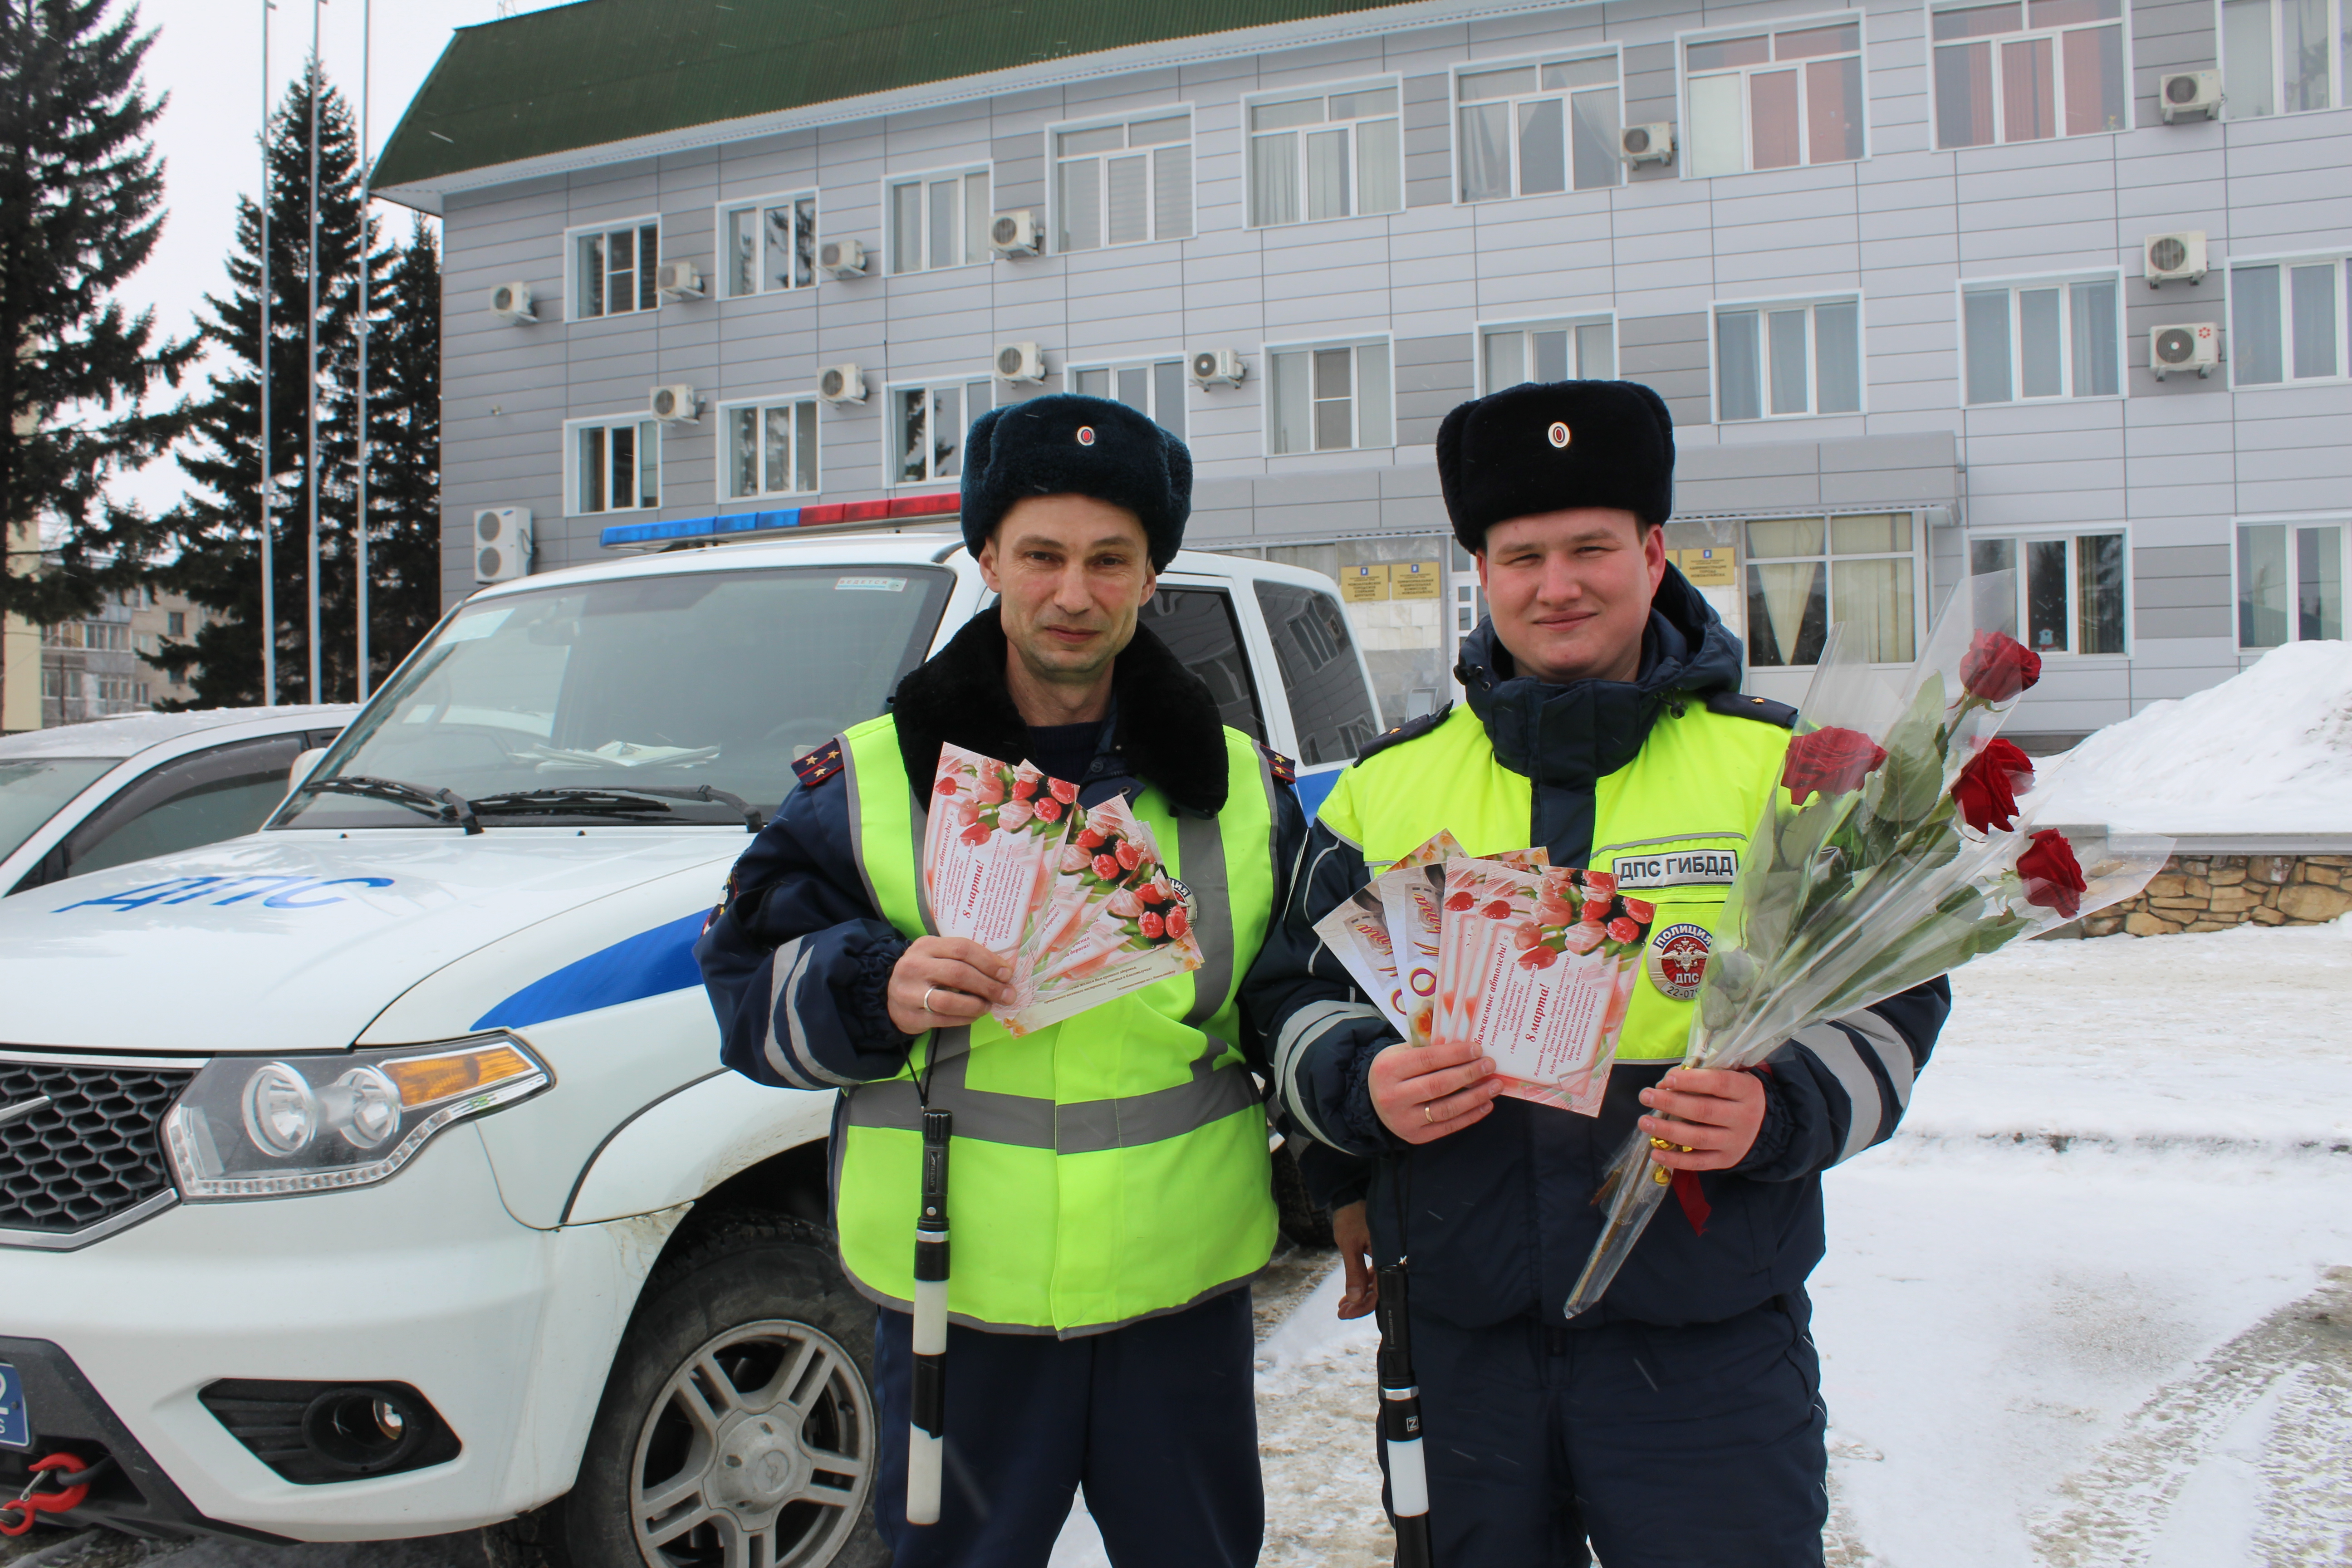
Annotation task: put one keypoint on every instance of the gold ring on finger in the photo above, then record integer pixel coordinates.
(1427, 1115)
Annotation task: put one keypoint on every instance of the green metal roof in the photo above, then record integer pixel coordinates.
(609, 71)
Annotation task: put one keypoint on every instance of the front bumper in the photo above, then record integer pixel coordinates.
(425, 1279)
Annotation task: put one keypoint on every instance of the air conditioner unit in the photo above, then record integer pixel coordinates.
(1218, 367)
(1016, 233)
(2189, 92)
(842, 258)
(1020, 362)
(1650, 143)
(2174, 257)
(678, 280)
(511, 302)
(2190, 345)
(501, 543)
(672, 405)
(841, 383)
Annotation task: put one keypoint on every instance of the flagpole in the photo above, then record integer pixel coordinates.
(367, 331)
(310, 462)
(268, 564)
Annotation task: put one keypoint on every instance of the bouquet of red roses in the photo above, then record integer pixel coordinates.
(1894, 850)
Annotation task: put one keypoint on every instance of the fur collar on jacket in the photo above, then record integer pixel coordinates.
(1168, 729)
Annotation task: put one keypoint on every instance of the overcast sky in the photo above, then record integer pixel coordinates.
(207, 57)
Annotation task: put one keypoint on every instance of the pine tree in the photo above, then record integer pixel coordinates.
(404, 457)
(216, 532)
(80, 206)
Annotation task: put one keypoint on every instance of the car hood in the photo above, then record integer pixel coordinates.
(294, 940)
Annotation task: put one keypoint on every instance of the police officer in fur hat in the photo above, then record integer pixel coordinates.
(1109, 1195)
(1677, 1421)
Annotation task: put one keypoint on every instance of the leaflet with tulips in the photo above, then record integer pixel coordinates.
(1078, 897)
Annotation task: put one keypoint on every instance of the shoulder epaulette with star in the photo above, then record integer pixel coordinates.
(1285, 771)
(1411, 730)
(1763, 710)
(820, 764)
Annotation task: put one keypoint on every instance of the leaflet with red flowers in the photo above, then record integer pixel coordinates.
(1113, 922)
(1357, 933)
(988, 846)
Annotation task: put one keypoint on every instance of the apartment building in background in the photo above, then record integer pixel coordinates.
(100, 667)
(2043, 297)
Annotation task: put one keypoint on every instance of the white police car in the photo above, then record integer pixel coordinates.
(373, 1174)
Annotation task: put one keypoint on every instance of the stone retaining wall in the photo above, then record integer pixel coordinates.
(2214, 892)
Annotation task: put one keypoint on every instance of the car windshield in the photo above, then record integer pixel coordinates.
(637, 690)
(32, 790)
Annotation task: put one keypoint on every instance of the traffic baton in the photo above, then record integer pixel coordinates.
(927, 1422)
(1401, 1423)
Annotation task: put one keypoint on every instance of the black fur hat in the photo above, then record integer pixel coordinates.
(1066, 445)
(1548, 447)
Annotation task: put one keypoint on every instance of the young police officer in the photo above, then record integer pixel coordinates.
(1108, 1185)
(1677, 1421)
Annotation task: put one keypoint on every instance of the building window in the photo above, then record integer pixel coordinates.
(612, 269)
(2290, 583)
(940, 220)
(928, 425)
(2286, 322)
(771, 448)
(1325, 155)
(615, 465)
(1154, 388)
(53, 680)
(768, 245)
(1330, 397)
(1580, 348)
(1529, 130)
(61, 634)
(1776, 361)
(175, 623)
(1805, 573)
(1123, 183)
(2026, 70)
(2067, 594)
(1773, 100)
(2284, 57)
(2042, 340)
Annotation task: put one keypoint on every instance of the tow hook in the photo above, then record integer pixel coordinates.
(19, 1513)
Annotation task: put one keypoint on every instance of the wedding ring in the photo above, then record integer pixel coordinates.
(926, 997)
(1427, 1115)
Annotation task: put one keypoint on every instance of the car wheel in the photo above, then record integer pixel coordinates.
(738, 1428)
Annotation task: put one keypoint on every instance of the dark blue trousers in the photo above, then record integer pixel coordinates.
(1690, 1448)
(1158, 1421)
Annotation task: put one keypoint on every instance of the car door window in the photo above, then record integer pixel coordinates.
(1330, 708)
(1199, 629)
(220, 792)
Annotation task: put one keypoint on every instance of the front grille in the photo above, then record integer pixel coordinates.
(91, 1153)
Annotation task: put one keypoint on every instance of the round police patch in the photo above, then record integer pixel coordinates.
(1086, 435)
(1676, 961)
(1558, 434)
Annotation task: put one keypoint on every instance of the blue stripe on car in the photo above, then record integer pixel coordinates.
(650, 963)
(1313, 786)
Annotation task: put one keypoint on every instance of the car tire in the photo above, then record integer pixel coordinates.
(1301, 1221)
(739, 1406)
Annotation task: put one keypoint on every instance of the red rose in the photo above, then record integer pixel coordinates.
(976, 834)
(1106, 867)
(1129, 853)
(1644, 912)
(1497, 910)
(1180, 924)
(1831, 761)
(1459, 902)
(2052, 877)
(1997, 667)
(1152, 927)
(1023, 788)
(945, 787)
(1601, 884)
(1090, 839)
(1064, 791)
(1986, 790)
(1048, 809)
(1622, 929)
(1151, 893)
(1594, 910)
(1539, 958)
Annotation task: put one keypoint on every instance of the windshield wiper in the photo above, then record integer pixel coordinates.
(445, 804)
(633, 800)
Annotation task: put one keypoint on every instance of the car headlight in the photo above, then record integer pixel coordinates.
(309, 1124)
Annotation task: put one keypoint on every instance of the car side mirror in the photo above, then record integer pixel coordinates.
(304, 764)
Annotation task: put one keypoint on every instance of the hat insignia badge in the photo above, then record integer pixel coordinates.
(1557, 435)
(1086, 435)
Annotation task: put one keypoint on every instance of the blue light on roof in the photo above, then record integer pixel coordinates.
(621, 534)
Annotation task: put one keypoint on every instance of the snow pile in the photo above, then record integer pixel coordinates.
(2269, 750)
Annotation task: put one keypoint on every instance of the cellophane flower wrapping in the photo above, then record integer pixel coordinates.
(1874, 867)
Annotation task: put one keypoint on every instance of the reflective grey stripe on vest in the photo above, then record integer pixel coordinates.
(1082, 1127)
(1200, 845)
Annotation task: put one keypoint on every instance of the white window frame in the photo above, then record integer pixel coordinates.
(722, 250)
(1921, 555)
(1764, 308)
(1355, 392)
(1151, 365)
(891, 453)
(1053, 161)
(1569, 322)
(573, 280)
(962, 173)
(2339, 67)
(2070, 537)
(1326, 91)
(1614, 53)
(2289, 522)
(725, 424)
(1718, 34)
(2123, 23)
(574, 503)
(2341, 264)
(2064, 283)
